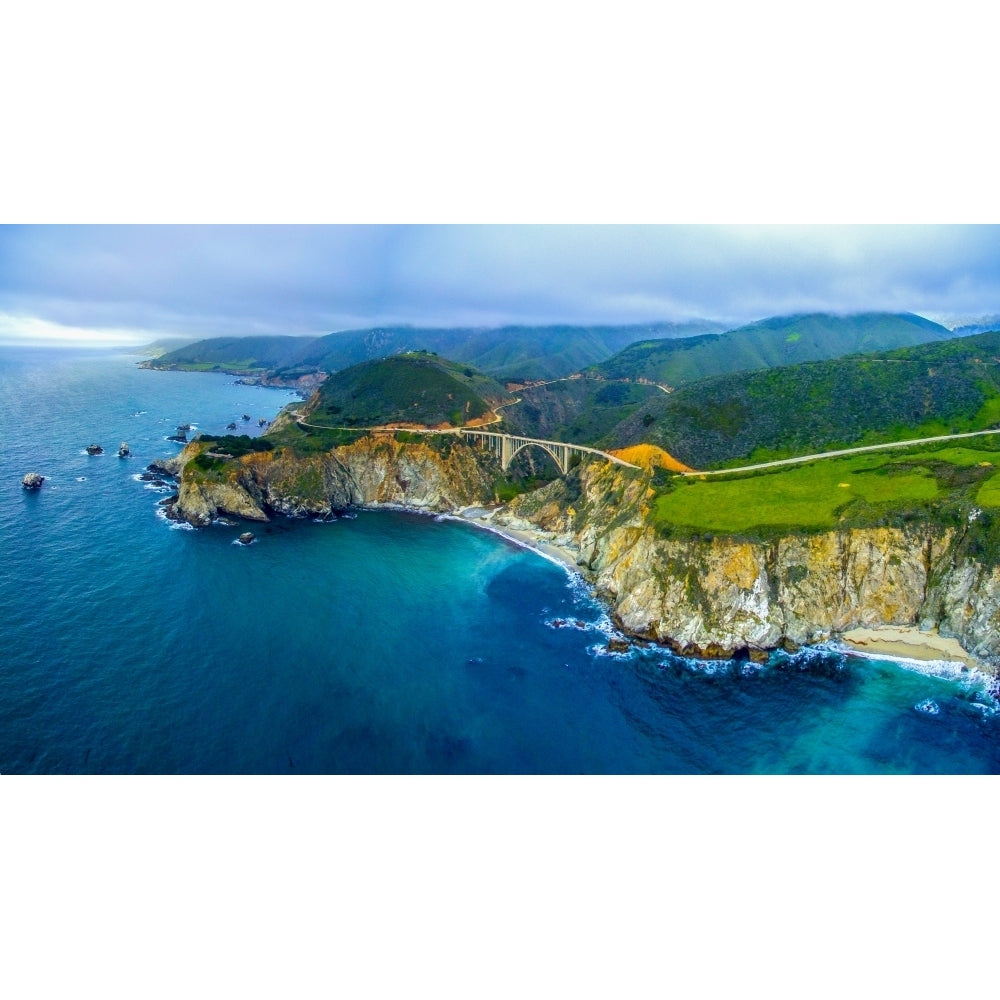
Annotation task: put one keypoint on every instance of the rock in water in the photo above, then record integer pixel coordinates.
(32, 481)
(246, 416)
(94, 449)
(618, 646)
(230, 427)
(246, 538)
(123, 450)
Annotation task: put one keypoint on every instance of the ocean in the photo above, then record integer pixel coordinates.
(387, 642)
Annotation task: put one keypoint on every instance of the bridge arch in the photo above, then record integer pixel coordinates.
(560, 457)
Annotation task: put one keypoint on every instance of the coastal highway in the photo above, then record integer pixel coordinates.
(843, 451)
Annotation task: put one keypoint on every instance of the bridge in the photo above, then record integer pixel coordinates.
(506, 446)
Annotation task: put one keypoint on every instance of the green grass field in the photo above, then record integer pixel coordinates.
(825, 493)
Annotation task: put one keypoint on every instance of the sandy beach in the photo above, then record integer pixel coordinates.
(483, 517)
(907, 642)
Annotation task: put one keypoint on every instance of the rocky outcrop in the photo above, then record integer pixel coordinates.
(723, 596)
(372, 471)
(94, 449)
(32, 481)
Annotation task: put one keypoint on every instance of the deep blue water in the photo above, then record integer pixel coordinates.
(390, 642)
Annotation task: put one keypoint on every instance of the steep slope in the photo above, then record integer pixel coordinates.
(416, 388)
(772, 342)
(938, 388)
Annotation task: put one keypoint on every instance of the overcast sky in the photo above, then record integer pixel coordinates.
(106, 284)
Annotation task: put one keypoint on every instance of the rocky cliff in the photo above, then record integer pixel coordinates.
(720, 596)
(702, 596)
(374, 470)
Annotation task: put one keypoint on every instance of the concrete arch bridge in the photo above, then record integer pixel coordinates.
(506, 446)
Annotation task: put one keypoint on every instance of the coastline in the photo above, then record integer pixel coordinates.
(904, 642)
(537, 541)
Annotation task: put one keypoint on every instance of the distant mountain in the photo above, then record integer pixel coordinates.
(522, 353)
(234, 354)
(781, 340)
(985, 324)
(156, 348)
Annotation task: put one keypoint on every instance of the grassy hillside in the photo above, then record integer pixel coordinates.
(415, 388)
(773, 342)
(938, 388)
(944, 484)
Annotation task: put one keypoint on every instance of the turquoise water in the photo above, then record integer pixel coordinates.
(389, 642)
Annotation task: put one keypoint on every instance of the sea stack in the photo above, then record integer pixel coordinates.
(32, 481)
(123, 450)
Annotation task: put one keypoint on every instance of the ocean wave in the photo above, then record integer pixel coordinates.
(161, 513)
(928, 706)
(969, 678)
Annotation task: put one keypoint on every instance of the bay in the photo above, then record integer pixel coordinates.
(388, 642)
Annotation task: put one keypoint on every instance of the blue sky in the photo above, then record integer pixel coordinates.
(106, 284)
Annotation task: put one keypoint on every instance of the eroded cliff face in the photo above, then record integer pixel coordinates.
(720, 596)
(702, 596)
(374, 470)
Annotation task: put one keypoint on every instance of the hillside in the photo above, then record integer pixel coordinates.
(417, 388)
(769, 343)
(511, 352)
(239, 355)
(937, 388)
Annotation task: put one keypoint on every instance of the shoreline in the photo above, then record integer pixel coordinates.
(906, 645)
(907, 642)
(482, 517)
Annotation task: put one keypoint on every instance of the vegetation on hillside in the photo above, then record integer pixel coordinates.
(580, 411)
(778, 341)
(940, 388)
(947, 485)
(417, 388)
(513, 352)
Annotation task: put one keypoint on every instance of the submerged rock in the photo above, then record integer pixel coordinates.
(32, 481)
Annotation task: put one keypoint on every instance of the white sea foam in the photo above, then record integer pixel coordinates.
(928, 706)
(971, 678)
(161, 513)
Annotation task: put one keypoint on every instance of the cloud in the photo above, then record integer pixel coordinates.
(241, 280)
